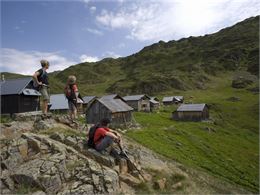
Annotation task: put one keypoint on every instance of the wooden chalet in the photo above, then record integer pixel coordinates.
(18, 95)
(114, 109)
(170, 100)
(138, 102)
(112, 96)
(191, 112)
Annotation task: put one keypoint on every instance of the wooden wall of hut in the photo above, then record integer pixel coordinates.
(98, 111)
(191, 115)
(144, 105)
(19, 103)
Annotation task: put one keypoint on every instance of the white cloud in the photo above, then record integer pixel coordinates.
(27, 62)
(165, 20)
(85, 58)
(95, 31)
(92, 9)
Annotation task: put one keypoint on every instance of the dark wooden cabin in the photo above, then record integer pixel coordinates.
(114, 109)
(138, 102)
(18, 95)
(191, 112)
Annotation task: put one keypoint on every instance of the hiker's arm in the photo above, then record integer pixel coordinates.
(35, 75)
(110, 134)
(114, 131)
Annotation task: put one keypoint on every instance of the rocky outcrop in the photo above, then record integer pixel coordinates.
(38, 161)
(61, 164)
(243, 79)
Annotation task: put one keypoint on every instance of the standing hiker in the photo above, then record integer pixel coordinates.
(41, 83)
(72, 94)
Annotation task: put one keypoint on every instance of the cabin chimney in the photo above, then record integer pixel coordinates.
(3, 77)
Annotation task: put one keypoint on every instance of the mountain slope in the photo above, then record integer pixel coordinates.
(184, 64)
(174, 65)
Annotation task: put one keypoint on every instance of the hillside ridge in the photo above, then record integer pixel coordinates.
(174, 65)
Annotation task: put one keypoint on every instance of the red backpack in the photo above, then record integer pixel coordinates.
(69, 92)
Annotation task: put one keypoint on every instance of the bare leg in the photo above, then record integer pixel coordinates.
(45, 106)
(75, 113)
(70, 112)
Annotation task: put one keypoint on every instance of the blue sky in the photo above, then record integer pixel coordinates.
(70, 32)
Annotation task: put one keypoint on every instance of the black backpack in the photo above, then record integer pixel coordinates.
(91, 135)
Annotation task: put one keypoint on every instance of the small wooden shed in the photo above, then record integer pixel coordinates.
(18, 95)
(138, 102)
(114, 109)
(154, 103)
(191, 112)
(172, 100)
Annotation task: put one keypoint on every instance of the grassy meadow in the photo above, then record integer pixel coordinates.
(226, 146)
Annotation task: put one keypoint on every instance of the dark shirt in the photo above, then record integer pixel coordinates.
(43, 77)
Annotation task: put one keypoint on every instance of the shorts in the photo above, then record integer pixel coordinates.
(45, 93)
(72, 106)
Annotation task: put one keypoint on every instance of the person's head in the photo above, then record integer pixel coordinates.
(105, 121)
(45, 64)
(71, 80)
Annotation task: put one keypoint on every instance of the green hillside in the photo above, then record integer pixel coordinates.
(183, 64)
(227, 146)
(8, 75)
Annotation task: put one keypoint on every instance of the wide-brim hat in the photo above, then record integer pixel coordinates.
(72, 79)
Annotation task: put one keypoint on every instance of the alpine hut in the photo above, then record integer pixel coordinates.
(138, 102)
(191, 112)
(112, 96)
(154, 103)
(114, 109)
(59, 103)
(172, 100)
(18, 95)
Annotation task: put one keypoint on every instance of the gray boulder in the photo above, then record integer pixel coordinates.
(58, 137)
(104, 159)
(71, 141)
(50, 184)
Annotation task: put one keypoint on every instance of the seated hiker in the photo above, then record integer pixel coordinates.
(105, 137)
